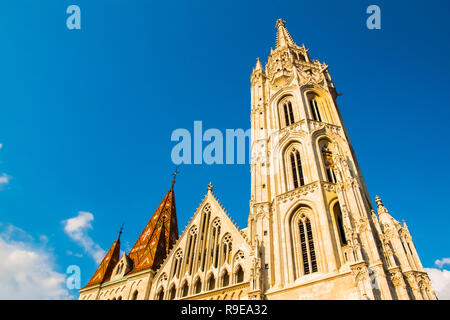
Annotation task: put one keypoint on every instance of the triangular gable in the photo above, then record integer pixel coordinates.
(104, 270)
(227, 224)
(151, 248)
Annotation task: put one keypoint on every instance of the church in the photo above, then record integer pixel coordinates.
(312, 232)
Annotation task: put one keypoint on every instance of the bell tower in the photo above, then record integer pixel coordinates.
(311, 218)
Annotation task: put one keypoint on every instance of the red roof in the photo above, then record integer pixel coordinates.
(158, 236)
(104, 270)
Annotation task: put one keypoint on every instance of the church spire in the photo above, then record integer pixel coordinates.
(283, 36)
(104, 270)
(158, 236)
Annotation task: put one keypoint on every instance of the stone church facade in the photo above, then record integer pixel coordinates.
(312, 231)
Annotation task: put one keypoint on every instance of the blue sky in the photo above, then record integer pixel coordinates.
(86, 115)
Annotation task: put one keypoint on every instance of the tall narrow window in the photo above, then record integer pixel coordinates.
(215, 243)
(211, 282)
(315, 110)
(226, 249)
(308, 253)
(185, 289)
(239, 275)
(225, 279)
(160, 295)
(177, 264)
(192, 241)
(297, 170)
(201, 258)
(135, 295)
(198, 286)
(172, 292)
(288, 113)
(329, 164)
(340, 223)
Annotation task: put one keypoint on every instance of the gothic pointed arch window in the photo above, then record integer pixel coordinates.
(190, 247)
(160, 294)
(214, 246)
(239, 274)
(176, 265)
(339, 223)
(135, 295)
(315, 111)
(227, 242)
(185, 289)
(286, 111)
(225, 278)
(172, 292)
(327, 158)
(211, 282)
(304, 247)
(198, 286)
(202, 238)
(294, 167)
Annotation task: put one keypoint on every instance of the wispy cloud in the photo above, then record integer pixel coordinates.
(4, 179)
(77, 229)
(442, 262)
(27, 268)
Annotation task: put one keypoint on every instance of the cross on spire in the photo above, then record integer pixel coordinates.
(121, 229)
(174, 174)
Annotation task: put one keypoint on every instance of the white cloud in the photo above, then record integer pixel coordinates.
(440, 280)
(1, 146)
(75, 254)
(27, 270)
(77, 228)
(442, 262)
(4, 179)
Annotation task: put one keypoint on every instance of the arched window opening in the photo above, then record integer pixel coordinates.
(204, 223)
(119, 268)
(135, 295)
(160, 295)
(297, 170)
(315, 109)
(239, 274)
(185, 289)
(198, 286)
(177, 264)
(308, 252)
(119, 298)
(340, 223)
(225, 279)
(328, 163)
(226, 249)
(172, 293)
(288, 113)
(192, 241)
(214, 248)
(211, 282)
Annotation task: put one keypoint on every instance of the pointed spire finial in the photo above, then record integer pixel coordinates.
(379, 202)
(283, 36)
(174, 174)
(280, 23)
(210, 187)
(258, 64)
(121, 230)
